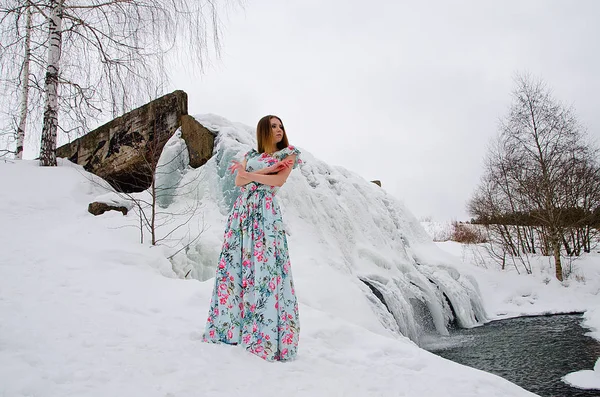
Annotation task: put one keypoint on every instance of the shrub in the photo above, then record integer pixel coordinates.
(467, 233)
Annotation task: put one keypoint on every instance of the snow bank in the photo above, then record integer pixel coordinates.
(592, 320)
(88, 311)
(586, 379)
(438, 231)
(509, 294)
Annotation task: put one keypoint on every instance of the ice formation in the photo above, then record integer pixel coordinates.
(368, 257)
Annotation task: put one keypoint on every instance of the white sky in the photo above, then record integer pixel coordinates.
(405, 92)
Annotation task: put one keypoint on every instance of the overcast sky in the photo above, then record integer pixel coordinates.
(406, 92)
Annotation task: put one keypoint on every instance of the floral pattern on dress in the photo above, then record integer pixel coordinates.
(254, 302)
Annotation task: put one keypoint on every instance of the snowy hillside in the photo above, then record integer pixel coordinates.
(88, 311)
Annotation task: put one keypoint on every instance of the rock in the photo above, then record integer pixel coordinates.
(97, 208)
(114, 199)
(199, 140)
(377, 182)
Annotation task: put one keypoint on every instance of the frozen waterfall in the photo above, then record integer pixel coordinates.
(366, 256)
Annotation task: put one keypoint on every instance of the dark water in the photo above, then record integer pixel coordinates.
(533, 352)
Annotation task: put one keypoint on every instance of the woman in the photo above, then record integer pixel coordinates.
(254, 303)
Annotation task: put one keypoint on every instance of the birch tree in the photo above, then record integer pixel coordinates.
(24, 100)
(105, 57)
(19, 44)
(50, 124)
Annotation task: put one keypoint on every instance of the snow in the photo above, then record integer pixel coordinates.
(438, 231)
(586, 379)
(114, 199)
(170, 168)
(592, 320)
(508, 294)
(89, 311)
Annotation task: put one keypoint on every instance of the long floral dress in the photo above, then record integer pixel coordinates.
(254, 303)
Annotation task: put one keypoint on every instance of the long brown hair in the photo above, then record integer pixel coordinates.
(264, 136)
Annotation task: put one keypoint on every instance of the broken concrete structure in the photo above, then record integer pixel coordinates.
(125, 150)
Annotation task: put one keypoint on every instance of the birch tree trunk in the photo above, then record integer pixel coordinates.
(556, 252)
(50, 123)
(24, 87)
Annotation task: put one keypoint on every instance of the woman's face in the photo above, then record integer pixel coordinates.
(276, 130)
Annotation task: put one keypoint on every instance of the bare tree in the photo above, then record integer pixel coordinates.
(50, 125)
(20, 47)
(104, 57)
(162, 174)
(534, 175)
(24, 85)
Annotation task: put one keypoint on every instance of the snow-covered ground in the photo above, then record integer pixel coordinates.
(438, 231)
(585, 379)
(509, 294)
(86, 310)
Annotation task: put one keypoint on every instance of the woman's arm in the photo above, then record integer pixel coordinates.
(276, 168)
(239, 180)
(265, 171)
(271, 180)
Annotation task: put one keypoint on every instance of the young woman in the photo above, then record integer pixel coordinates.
(254, 303)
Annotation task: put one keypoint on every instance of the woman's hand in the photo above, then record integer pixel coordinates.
(239, 167)
(236, 166)
(279, 166)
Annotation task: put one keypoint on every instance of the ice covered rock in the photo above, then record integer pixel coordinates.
(110, 201)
